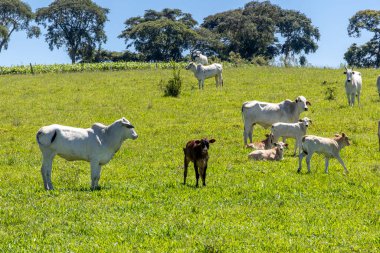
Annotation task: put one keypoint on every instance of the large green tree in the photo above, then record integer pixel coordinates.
(160, 35)
(248, 31)
(15, 15)
(77, 25)
(367, 55)
(298, 33)
(263, 29)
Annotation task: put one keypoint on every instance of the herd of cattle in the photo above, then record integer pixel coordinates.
(98, 144)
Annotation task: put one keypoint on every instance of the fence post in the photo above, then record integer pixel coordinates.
(31, 68)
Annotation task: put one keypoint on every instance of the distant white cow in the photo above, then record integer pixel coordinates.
(329, 147)
(203, 72)
(378, 85)
(291, 130)
(266, 114)
(200, 58)
(353, 85)
(96, 145)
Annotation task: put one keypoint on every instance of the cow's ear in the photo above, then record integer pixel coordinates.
(308, 103)
(286, 144)
(197, 142)
(343, 135)
(296, 100)
(212, 140)
(127, 125)
(344, 72)
(337, 135)
(300, 120)
(275, 144)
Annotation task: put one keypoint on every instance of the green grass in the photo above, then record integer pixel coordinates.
(143, 206)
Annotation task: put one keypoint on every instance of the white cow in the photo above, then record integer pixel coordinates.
(291, 130)
(273, 154)
(200, 58)
(329, 147)
(203, 72)
(96, 145)
(266, 114)
(353, 85)
(378, 85)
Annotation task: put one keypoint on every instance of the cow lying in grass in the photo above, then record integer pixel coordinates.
(196, 151)
(273, 154)
(267, 143)
(96, 145)
(329, 147)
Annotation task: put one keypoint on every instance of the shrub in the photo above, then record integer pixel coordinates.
(330, 93)
(259, 61)
(174, 84)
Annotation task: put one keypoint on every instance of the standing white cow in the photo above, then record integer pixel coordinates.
(353, 85)
(378, 85)
(96, 145)
(265, 114)
(199, 58)
(203, 72)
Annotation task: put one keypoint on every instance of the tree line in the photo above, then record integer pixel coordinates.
(259, 31)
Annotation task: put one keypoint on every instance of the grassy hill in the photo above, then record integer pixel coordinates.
(143, 205)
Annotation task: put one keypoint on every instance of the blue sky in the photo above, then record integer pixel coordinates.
(331, 17)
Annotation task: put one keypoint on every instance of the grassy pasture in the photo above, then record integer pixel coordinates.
(143, 206)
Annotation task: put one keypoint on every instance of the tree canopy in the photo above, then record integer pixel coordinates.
(15, 15)
(160, 36)
(76, 24)
(259, 28)
(367, 55)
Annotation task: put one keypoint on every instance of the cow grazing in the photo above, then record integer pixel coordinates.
(203, 72)
(378, 85)
(353, 85)
(329, 147)
(96, 145)
(266, 114)
(291, 130)
(196, 151)
(267, 143)
(273, 154)
(199, 58)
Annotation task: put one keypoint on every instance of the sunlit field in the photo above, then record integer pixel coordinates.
(247, 206)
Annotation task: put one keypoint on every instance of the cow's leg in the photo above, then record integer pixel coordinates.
(203, 175)
(358, 93)
(46, 168)
(216, 81)
(95, 175)
(200, 84)
(196, 173)
(352, 99)
(221, 79)
(248, 130)
(308, 158)
(342, 163)
(301, 156)
(186, 165)
(348, 99)
(327, 165)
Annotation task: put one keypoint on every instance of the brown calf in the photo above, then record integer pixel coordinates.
(267, 143)
(196, 151)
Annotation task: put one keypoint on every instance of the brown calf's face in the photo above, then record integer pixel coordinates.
(204, 144)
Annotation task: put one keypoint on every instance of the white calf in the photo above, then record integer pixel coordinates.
(96, 145)
(291, 130)
(203, 72)
(329, 147)
(274, 154)
(353, 85)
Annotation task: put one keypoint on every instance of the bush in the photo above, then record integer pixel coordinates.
(330, 93)
(259, 61)
(173, 86)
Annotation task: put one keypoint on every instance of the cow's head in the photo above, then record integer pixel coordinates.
(191, 65)
(280, 145)
(342, 140)
(348, 73)
(302, 103)
(129, 129)
(306, 121)
(204, 144)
